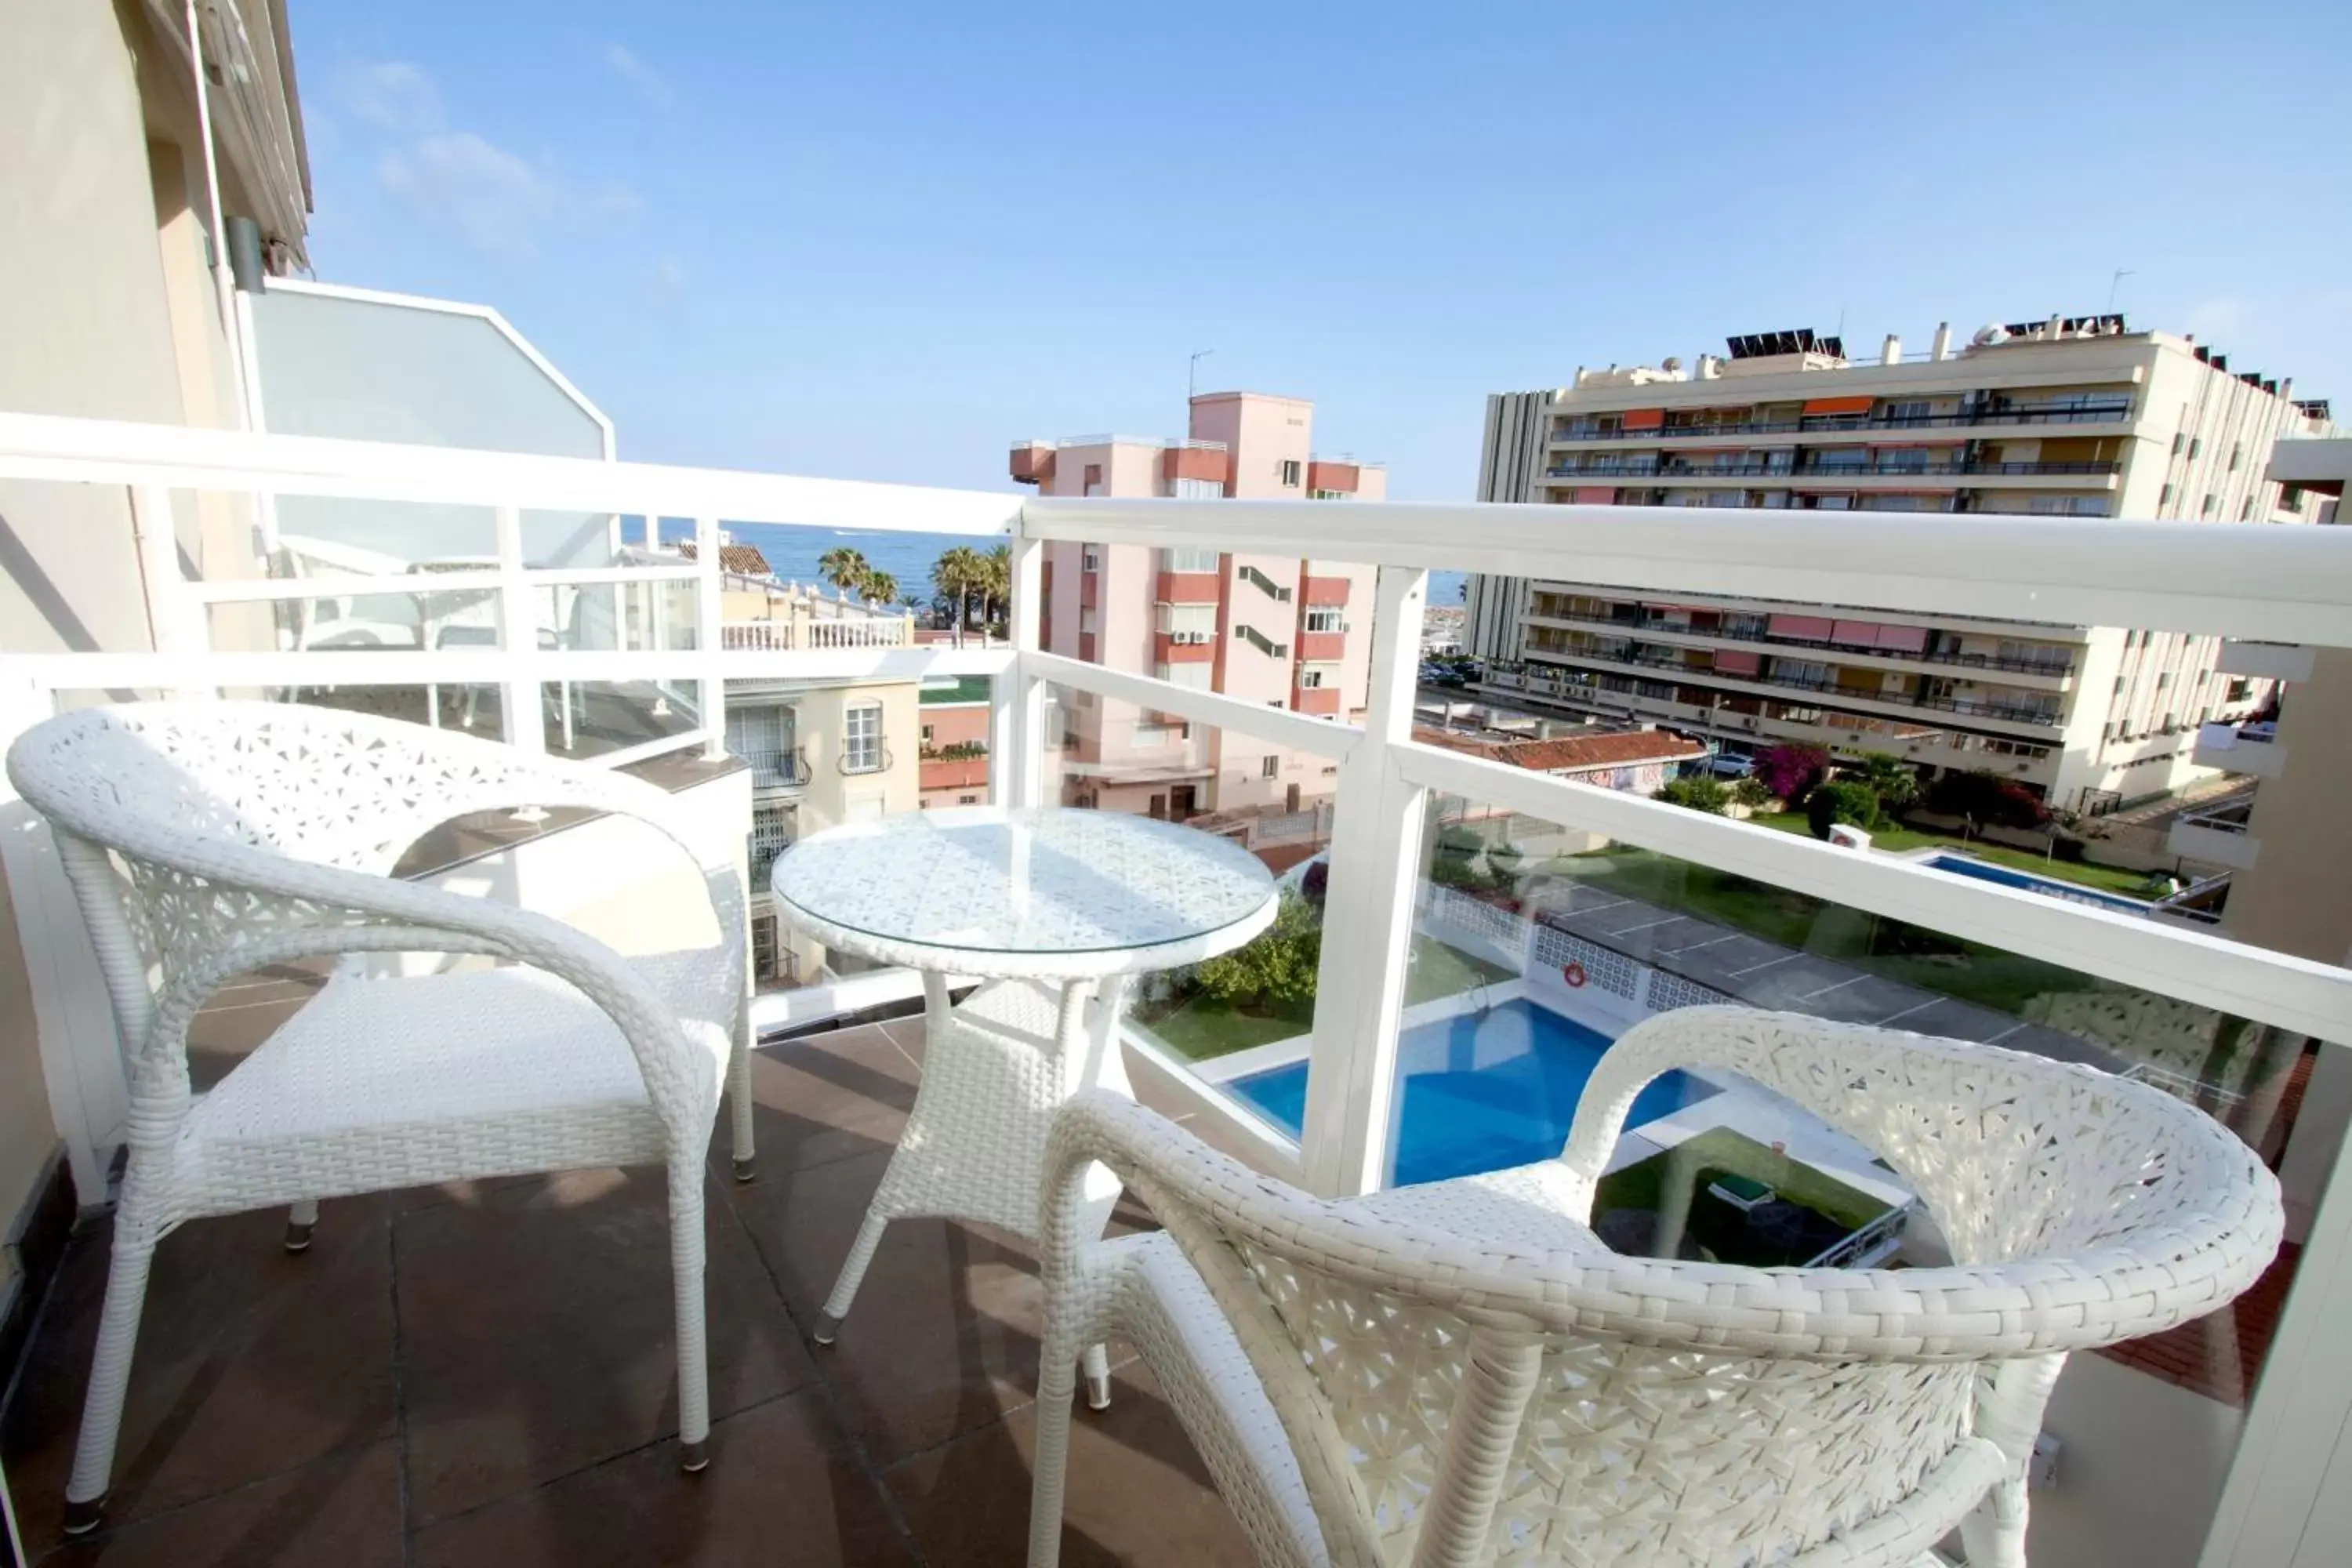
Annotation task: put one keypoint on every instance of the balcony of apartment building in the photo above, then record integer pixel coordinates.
(2219, 835)
(1874, 472)
(375, 1400)
(2252, 749)
(1322, 587)
(2256, 660)
(2087, 414)
(1866, 643)
(1327, 480)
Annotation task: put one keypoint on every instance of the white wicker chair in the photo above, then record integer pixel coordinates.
(1460, 1374)
(208, 839)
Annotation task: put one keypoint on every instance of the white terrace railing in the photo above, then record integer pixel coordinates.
(2279, 583)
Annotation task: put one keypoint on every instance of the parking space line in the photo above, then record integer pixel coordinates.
(1840, 986)
(1914, 1007)
(1768, 963)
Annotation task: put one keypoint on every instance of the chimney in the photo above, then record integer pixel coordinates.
(1893, 352)
(1943, 349)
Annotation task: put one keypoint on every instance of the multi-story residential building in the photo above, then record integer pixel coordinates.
(2062, 418)
(1267, 629)
(954, 742)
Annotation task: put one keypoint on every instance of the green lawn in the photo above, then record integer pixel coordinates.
(1681, 1175)
(2105, 879)
(1972, 971)
(1202, 1027)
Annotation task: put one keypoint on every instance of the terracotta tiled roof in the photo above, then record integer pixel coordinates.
(1571, 753)
(743, 560)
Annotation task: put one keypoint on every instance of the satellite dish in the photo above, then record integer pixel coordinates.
(1670, 364)
(1987, 336)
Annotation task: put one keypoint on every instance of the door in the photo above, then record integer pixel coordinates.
(1290, 798)
(1181, 803)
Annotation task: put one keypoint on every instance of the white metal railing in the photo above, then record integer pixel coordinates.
(2214, 579)
(793, 636)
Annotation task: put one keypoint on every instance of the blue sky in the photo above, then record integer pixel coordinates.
(884, 241)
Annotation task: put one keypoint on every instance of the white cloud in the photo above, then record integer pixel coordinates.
(496, 202)
(647, 83)
(393, 95)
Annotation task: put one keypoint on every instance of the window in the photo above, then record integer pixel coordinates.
(772, 834)
(1094, 479)
(1324, 619)
(1314, 677)
(2164, 496)
(2237, 455)
(2290, 498)
(927, 734)
(861, 739)
(2180, 439)
(2196, 445)
(2212, 504)
(2245, 509)
(1189, 561)
(1290, 471)
(1197, 489)
(1270, 768)
(1905, 413)
(2066, 506)
(1194, 675)
(1092, 561)
(966, 800)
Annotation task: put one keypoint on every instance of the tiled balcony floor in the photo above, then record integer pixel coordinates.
(482, 1376)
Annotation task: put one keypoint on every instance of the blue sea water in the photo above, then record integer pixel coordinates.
(1481, 1091)
(794, 552)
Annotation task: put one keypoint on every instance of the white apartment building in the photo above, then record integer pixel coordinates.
(2067, 417)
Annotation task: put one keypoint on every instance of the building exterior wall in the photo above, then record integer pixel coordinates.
(2113, 424)
(1261, 645)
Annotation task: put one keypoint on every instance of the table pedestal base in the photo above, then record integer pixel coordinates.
(995, 1071)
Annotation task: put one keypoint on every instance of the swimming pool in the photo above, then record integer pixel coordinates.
(1480, 1092)
(2048, 887)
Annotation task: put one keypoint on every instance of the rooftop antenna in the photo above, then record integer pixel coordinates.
(1192, 373)
(2114, 284)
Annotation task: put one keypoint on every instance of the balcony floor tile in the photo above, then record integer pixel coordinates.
(482, 1374)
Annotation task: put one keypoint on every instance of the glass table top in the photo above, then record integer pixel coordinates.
(1043, 881)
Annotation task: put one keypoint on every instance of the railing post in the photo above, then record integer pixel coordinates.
(1368, 917)
(175, 621)
(519, 699)
(708, 615)
(1016, 731)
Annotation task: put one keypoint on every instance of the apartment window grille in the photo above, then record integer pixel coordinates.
(763, 738)
(772, 834)
(1173, 559)
(861, 739)
(1290, 471)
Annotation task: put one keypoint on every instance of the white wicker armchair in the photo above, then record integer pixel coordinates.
(1460, 1374)
(208, 839)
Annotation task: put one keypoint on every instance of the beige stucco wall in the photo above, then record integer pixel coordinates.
(2297, 899)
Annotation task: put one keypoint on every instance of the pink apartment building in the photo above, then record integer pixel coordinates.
(1265, 629)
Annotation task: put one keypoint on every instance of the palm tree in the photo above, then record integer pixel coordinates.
(843, 567)
(1887, 776)
(958, 572)
(996, 580)
(879, 587)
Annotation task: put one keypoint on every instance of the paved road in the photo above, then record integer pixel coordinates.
(1767, 974)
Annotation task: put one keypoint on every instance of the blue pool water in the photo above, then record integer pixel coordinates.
(1480, 1092)
(2049, 888)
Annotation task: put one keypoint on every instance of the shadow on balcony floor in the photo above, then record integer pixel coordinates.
(482, 1374)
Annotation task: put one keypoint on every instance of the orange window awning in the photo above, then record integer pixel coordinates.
(1651, 419)
(1838, 406)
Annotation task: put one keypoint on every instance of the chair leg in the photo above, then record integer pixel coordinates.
(738, 1091)
(693, 1346)
(1049, 1469)
(300, 1221)
(853, 1273)
(1097, 1362)
(110, 1372)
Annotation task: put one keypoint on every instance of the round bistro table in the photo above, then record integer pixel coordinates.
(1053, 909)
